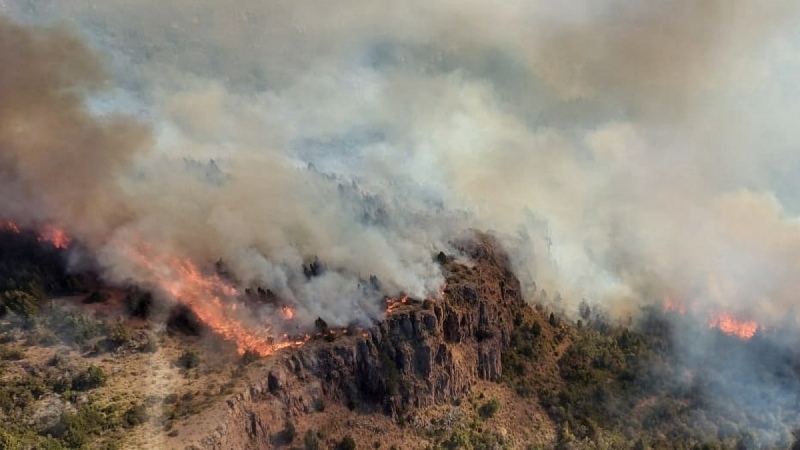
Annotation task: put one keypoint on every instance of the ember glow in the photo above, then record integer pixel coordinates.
(743, 329)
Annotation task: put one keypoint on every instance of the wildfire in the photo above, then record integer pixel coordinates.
(213, 300)
(210, 297)
(743, 329)
(9, 226)
(725, 322)
(47, 233)
(392, 304)
(54, 235)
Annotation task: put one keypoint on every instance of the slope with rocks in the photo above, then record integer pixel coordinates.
(423, 354)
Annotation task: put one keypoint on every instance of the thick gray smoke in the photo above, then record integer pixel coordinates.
(625, 151)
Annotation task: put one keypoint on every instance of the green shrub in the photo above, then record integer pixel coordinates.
(311, 441)
(58, 359)
(150, 344)
(489, 409)
(118, 334)
(12, 354)
(347, 443)
(92, 378)
(139, 304)
(458, 439)
(81, 328)
(43, 336)
(189, 359)
(136, 415)
(20, 303)
(536, 329)
(287, 435)
(75, 429)
(9, 441)
(75, 437)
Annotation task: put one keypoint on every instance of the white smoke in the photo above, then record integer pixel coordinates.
(623, 150)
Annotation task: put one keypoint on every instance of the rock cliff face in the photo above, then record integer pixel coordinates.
(423, 353)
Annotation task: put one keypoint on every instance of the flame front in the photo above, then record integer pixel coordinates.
(743, 329)
(210, 297)
(47, 233)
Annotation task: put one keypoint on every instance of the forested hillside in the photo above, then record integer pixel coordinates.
(658, 380)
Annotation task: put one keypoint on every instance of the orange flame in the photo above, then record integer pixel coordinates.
(48, 233)
(9, 225)
(725, 322)
(743, 329)
(212, 299)
(54, 235)
(392, 304)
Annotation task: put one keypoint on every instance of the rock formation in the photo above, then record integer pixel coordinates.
(423, 353)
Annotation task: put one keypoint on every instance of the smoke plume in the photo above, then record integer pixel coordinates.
(624, 151)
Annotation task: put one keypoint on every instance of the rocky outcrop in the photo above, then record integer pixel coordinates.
(423, 353)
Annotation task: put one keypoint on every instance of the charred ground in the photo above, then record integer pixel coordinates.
(479, 368)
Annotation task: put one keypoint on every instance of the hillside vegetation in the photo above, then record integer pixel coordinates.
(82, 366)
(612, 386)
